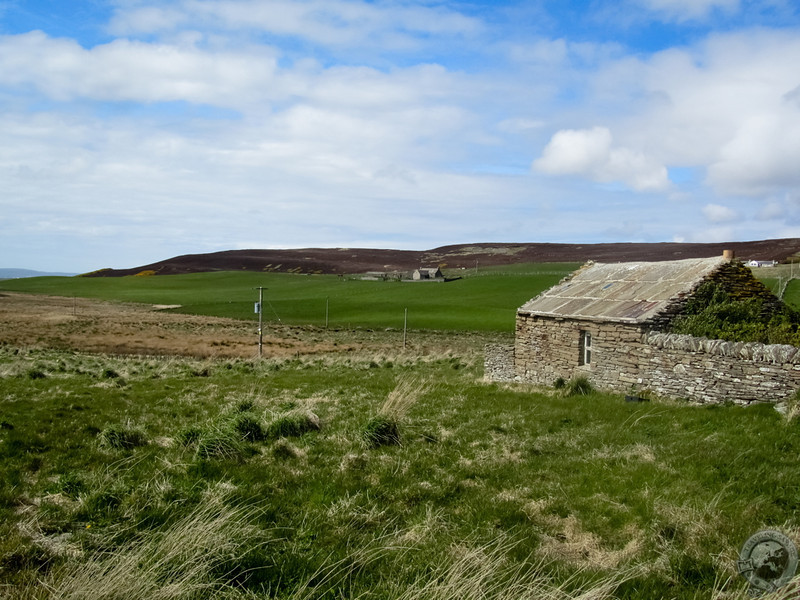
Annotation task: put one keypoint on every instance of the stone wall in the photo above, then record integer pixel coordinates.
(498, 362)
(626, 358)
(681, 366)
(547, 348)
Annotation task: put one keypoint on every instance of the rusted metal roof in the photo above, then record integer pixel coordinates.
(627, 292)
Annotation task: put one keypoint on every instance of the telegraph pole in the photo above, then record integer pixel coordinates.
(259, 310)
(405, 326)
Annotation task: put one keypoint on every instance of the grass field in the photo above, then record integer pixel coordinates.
(177, 478)
(480, 301)
(484, 301)
(389, 475)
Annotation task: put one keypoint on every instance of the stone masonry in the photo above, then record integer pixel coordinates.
(601, 308)
(628, 359)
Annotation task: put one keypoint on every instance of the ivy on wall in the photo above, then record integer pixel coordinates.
(712, 312)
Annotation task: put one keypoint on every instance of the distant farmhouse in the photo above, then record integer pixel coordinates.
(421, 274)
(608, 323)
(762, 263)
(427, 273)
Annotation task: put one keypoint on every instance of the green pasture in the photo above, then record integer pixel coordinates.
(482, 301)
(144, 478)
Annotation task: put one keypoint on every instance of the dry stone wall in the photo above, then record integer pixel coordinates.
(626, 358)
(713, 371)
(498, 362)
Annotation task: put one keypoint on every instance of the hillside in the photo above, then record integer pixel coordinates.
(360, 260)
(20, 273)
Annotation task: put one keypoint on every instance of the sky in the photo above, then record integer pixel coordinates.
(132, 131)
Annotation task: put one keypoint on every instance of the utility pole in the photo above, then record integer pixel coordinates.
(259, 311)
(405, 326)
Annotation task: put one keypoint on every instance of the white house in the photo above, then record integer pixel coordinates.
(762, 263)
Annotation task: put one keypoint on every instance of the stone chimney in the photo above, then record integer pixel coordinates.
(727, 255)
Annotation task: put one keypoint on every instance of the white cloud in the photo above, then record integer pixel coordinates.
(762, 157)
(726, 107)
(329, 22)
(772, 210)
(591, 153)
(124, 137)
(126, 70)
(520, 125)
(542, 52)
(686, 10)
(712, 235)
(716, 213)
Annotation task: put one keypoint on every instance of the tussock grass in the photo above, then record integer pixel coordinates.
(381, 431)
(384, 428)
(292, 424)
(580, 386)
(486, 573)
(791, 408)
(249, 427)
(186, 560)
(405, 394)
(122, 437)
(221, 442)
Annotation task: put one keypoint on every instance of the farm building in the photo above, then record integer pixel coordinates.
(608, 322)
(762, 263)
(427, 273)
(421, 274)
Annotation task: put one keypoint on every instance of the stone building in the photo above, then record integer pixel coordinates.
(424, 273)
(607, 322)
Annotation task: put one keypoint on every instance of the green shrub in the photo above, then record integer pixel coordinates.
(713, 313)
(560, 383)
(122, 437)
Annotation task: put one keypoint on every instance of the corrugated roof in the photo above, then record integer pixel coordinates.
(628, 292)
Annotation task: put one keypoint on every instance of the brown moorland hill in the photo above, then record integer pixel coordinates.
(361, 260)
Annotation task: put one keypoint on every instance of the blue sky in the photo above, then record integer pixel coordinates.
(136, 130)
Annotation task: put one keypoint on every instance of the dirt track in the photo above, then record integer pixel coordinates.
(128, 328)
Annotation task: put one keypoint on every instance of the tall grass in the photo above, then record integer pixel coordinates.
(485, 573)
(187, 560)
(384, 428)
(406, 393)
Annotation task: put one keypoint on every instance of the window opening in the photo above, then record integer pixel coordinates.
(586, 348)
